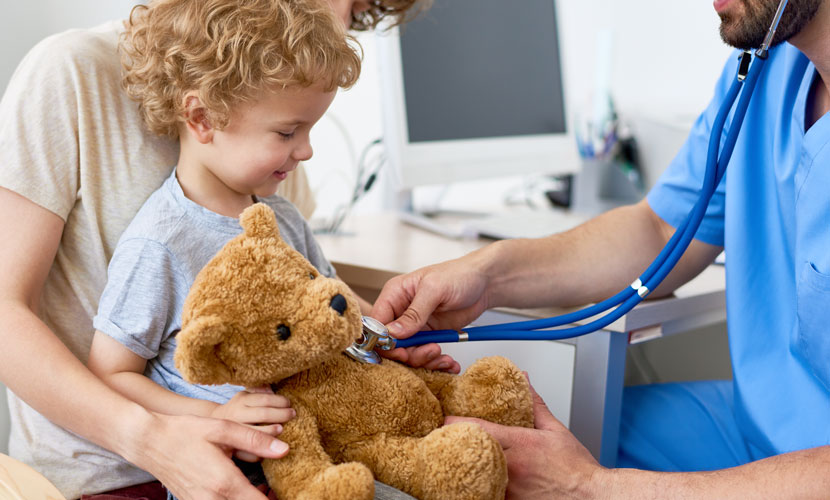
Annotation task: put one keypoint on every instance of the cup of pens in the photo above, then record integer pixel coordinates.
(610, 174)
(597, 138)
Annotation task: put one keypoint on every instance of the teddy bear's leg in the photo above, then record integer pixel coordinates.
(307, 472)
(455, 462)
(492, 388)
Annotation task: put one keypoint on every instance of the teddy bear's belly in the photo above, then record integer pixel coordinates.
(378, 399)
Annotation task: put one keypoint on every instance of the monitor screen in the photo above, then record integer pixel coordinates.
(477, 69)
(474, 89)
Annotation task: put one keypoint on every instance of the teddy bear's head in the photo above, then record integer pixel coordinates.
(259, 312)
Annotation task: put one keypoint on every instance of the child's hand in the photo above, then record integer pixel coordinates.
(256, 406)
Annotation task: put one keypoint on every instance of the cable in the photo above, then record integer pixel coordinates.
(367, 173)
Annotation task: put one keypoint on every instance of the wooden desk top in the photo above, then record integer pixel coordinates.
(374, 248)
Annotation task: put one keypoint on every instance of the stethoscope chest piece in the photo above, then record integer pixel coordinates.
(375, 334)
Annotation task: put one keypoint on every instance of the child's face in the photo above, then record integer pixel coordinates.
(266, 138)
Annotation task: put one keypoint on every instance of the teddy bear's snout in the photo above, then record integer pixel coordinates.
(338, 303)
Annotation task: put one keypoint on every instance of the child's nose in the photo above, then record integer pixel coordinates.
(303, 152)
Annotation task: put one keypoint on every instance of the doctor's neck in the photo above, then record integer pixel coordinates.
(814, 41)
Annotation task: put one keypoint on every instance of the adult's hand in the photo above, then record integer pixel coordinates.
(446, 295)
(191, 455)
(545, 462)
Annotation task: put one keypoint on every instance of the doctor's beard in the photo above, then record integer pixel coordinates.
(747, 30)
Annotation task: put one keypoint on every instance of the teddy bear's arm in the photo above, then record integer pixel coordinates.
(492, 388)
(307, 472)
(454, 462)
(435, 380)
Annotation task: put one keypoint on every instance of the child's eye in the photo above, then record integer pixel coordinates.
(286, 135)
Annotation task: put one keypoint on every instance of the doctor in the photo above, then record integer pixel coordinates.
(765, 434)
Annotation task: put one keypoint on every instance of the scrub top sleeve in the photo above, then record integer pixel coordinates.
(678, 188)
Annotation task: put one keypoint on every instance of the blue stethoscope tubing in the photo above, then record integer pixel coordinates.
(626, 299)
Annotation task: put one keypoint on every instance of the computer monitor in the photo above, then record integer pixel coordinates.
(473, 89)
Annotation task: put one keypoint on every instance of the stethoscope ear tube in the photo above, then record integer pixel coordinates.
(626, 299)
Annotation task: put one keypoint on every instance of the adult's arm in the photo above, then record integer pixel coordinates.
(549, 463)
(586, 264)
(190, 455)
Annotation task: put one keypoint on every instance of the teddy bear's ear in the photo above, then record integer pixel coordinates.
(195, 355)
(259, 221)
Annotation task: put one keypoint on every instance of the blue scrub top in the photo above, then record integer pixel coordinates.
(772, 214)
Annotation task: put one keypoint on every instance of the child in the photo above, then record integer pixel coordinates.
(240, 84)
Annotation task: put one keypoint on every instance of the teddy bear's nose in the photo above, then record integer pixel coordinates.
(338, 303)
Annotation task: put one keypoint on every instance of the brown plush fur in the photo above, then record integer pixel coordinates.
(354, 421)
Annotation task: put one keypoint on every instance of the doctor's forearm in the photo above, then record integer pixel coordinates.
(802, 474)
(588, 263)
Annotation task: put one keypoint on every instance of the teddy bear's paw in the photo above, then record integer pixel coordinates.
(461, 462)
(493, 389)
(350, 480)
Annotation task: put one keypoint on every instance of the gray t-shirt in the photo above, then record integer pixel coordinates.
(154, 265)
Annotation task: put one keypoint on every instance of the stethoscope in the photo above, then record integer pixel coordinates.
(376, 336)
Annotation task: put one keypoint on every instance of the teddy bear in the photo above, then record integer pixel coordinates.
(259, 313)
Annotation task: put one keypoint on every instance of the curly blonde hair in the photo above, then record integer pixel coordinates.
(227, 51)
(397, 11)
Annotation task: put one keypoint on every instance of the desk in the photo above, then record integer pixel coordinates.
(375, 248)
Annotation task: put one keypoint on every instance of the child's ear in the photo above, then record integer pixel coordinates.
(196, 118)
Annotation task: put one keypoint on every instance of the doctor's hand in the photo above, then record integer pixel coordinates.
(546, 462)
(446, 295)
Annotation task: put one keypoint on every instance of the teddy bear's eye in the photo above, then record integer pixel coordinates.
(283, 332)
(311, 276)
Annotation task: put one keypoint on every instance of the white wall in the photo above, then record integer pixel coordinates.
(666, 59)
(24, 23)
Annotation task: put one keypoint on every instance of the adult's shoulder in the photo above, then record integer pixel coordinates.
(64, 65)
(98, 45)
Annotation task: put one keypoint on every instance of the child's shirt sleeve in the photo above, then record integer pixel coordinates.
(143, 297)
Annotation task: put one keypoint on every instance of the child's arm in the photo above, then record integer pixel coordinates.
(123, 371)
